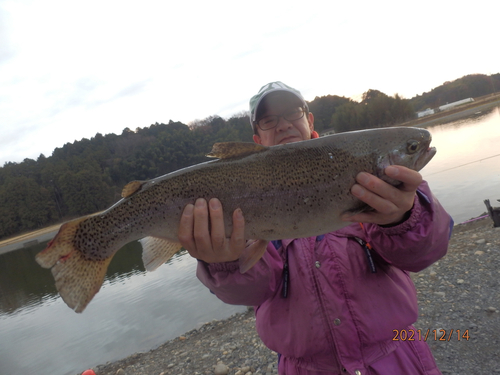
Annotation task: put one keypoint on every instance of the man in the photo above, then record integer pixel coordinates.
(316, 302)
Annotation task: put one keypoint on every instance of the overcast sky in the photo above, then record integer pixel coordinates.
(70, 69)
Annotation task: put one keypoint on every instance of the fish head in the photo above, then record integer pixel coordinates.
(412, 150)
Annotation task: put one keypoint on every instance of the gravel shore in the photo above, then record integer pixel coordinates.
(459, 317)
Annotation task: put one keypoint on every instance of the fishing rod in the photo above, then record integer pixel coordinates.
(461, 165)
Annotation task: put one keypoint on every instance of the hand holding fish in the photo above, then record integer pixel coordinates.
(202, 233)
(206, 239)
(391, 203)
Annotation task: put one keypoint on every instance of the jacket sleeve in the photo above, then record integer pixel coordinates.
(419, 241)
(251, 288)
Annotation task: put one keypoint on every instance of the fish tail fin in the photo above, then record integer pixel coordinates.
(156, 251)
(77, 279)
(251, 254)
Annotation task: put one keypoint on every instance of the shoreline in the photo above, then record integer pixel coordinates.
(480, 104)
(456, 293)
(28, 239)
(465, 110)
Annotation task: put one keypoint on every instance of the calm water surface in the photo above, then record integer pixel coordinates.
(136, 311)
(466, 168)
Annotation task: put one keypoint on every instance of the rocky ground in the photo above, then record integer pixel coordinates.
(459, 300)
(459, 297)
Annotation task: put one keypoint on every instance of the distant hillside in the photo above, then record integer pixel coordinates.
(470, 86)
(378, 109)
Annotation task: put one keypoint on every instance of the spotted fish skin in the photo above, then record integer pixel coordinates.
(287, 191)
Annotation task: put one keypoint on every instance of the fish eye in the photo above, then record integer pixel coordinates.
(412, 146)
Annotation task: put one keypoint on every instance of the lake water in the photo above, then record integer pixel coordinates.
(466, 168)
(136, 311)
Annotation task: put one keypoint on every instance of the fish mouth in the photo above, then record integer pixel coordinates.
(425, 157)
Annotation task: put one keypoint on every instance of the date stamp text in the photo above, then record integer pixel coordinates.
(435, 334)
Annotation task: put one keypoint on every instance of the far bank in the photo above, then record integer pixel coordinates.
(480, 104)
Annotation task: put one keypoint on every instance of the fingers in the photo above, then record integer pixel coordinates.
(202, 232)
(385, 197)
(224, 249)
(217, 230)
(185, 232)
(391, 203)
(376, 193)
(193, 231)
(411, 179)
(381, 203)
(237, 242)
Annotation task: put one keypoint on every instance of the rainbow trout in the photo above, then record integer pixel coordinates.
(286, 191)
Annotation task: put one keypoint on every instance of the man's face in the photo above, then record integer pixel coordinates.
(286, 131)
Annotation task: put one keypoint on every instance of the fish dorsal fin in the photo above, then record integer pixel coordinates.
(230, 150)
(131, 188)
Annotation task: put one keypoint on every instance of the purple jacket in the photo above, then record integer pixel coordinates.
(338, 315)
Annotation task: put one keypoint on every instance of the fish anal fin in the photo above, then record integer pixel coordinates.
(132, 188)
(230, 150)
(251, 254)
(156, 251)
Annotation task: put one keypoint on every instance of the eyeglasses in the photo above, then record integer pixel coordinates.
(270, 122)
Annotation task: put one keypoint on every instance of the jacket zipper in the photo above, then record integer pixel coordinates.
(367, 247)
(322, 307)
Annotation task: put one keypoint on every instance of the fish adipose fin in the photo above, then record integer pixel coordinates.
(132, 188)
(156, 251)
(251, 254)
(232, 150)
(77, 279)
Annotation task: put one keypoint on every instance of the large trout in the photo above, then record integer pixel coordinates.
(287, 191)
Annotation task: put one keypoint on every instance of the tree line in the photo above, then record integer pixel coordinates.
(469, 86)
(88, 175)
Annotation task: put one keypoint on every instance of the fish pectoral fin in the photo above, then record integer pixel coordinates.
(251, 254)
(156, 251)
(77, 279)
(132, 188)
(364, 208)
(231, 150)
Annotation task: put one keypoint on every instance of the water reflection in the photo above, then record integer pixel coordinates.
(465, 140)
(466, 168)
(23, 283)
(134, 311)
